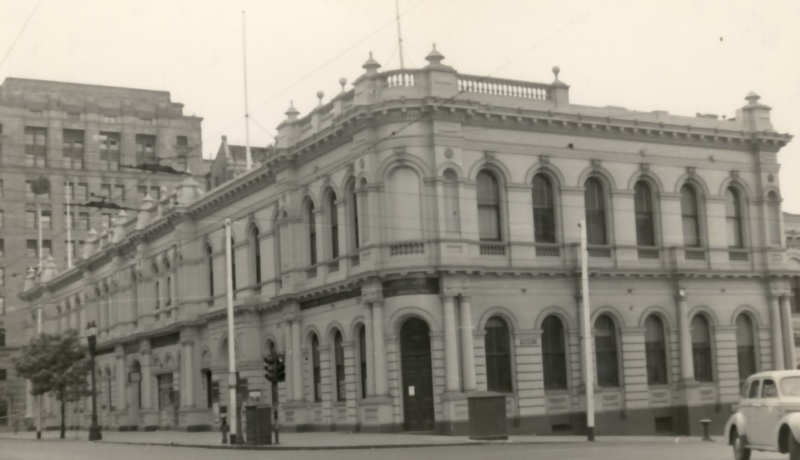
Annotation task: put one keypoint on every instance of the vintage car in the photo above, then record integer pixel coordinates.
(768, 417)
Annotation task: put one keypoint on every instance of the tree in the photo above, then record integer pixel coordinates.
(55, 363)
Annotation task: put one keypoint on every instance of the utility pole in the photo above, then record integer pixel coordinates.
(231, 337)
(586, 335)
(69, 227)
(39, 397)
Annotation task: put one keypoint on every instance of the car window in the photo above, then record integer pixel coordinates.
(753, 389)
(769, 389)
(790, 386)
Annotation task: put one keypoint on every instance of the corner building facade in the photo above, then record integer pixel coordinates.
(415, 239)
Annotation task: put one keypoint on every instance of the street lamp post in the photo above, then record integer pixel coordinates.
(91, 334)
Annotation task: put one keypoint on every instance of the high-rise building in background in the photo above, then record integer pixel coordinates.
(85, 140)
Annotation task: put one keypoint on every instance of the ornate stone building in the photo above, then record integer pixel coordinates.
(415, 239)
(81, 137)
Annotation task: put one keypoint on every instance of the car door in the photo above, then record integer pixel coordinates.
(770, 413)
(750, 402)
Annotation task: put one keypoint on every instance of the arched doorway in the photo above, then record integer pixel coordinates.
(134, 393)
(415, 349)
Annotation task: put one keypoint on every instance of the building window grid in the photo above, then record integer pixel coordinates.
(498, 356)
(334, 225)
(733, 218)
(73, 148)
(544, 216)
(312, 234)
(595, 203)
(606, 353)
(745, 347)
(145, 149)
(488, 197)
(643, 208)
(554, 356)
(655, 351)
(338, 354)
(315, 369)
(690, 217)
(36, 146)
(701, 349)
(109, 144)
(256, 252)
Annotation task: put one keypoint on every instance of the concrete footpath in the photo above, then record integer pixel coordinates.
(321, 440)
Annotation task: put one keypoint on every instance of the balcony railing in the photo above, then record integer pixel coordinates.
(694, 254)
(489, 249)
(648, 253)
(738, 255)
(406, 249)
(503, 87)
(599, 252)
(549, 250)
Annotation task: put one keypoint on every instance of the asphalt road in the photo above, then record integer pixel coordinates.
(12, 449)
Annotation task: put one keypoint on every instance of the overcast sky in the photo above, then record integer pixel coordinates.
(682, 56)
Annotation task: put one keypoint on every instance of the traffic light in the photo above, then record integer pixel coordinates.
(280, 369)
(269, 368)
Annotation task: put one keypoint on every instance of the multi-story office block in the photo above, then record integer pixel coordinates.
(415, 240)
(85, 140)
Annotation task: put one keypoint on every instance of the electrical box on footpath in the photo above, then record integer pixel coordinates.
(259, 424)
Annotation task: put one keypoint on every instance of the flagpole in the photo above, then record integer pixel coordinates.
(399, 32)
(249, 161)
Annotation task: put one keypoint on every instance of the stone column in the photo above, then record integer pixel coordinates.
(788, 332)
(144, 352)
(369, 349)
(187, 373)
(101, 305)
(450, 345)
(467, 348)
(778, 362)
(297, 369)
(122, 401)
(288, 360)
(685, 335)
(381, 380)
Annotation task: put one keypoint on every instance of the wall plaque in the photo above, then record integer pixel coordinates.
(410, 286)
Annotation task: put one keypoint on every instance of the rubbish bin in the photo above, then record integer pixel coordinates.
(487, 416)
(259, 424)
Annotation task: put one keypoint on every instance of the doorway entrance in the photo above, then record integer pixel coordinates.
(415, 350)
(134, 393)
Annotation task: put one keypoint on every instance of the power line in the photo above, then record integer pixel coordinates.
(19, 34)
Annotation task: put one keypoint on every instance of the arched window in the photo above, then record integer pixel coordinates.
(452, 212)
(655, 346)
(134, 306)
(255, 250)
(312, 233)
(362, 358)
(690, 217)
(488, 190)
(554, 354)
(210, 269)
(352, 198)
(277, 248)
(774, 216)
(643, 207)
(364, 220)
(315, 368)
(498, 355)
(701, 349)
(745, 347)
(233, 266)
(334, 225)
(157, 294)
(733, 218)
(605, 344)
(544, 215)
(338, 354)
(595, 203)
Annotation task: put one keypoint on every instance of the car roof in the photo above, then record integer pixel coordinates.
(775, 374)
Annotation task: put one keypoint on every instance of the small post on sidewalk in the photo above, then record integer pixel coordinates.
(706, 422)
